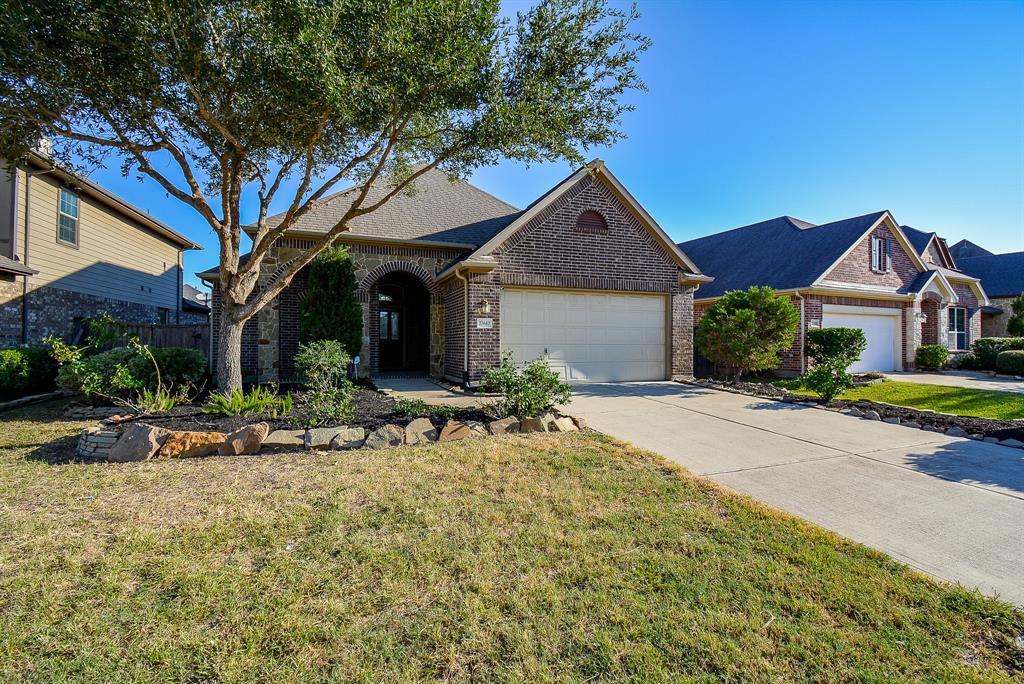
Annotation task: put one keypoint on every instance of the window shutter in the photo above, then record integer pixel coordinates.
(874, 254)
(888, 254)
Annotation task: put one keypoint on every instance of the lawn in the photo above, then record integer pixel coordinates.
(961, 401)
(542, 558)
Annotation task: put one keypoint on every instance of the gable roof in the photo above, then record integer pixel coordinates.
(783, 252)
(966, 249)
(918, 238)
(439, 210)
(1002, 275)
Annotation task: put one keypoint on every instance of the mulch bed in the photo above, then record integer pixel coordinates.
(372, 410)
(987, 427)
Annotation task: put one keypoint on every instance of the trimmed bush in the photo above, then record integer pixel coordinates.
(525, 391)
(931, 356)
(965, 361)
(125, 370)
(26, 371)
(331, 308)
(988, 348)
(841, 344)
(1010, 362)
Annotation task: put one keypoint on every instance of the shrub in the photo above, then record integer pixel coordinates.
(331, 308)
(1011, 362)
(1015, 326)
(829, 378)
(263, 400)
(119, 373)
(525, 391)
(747, 330)
(413, 408)
(323, 366)
(966, 361)
(26, 371)
(443, 412)
(931, 356)
(836, 343)
(987, 349)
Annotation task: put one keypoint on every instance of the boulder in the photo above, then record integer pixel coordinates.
(563, 424)
(476, 428)
(138, 442)
(528, 425)
(912, 424)
(894, 420)
(580, 423)
(956, 432)
(191, 444)
(348, 438)
(855, 412)
(420, 431)
(319, 439)
(871, 414)
(246, 440)
(285, 440)
(454, 430)
(504, 426)
(386, 436)
(548, 419)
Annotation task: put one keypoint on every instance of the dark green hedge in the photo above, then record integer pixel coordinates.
(988, 348)
(26, 371)
(1011, 362)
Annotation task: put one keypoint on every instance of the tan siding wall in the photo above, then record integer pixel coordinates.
(115, 258)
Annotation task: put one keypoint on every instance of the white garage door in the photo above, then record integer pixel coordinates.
(584, 336)
(882, 331)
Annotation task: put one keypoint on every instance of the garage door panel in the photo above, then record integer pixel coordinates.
(882, 332)
(588, 336)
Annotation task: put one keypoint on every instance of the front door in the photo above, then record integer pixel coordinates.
(392, 337)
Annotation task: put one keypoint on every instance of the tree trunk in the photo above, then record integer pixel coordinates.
(229, 351)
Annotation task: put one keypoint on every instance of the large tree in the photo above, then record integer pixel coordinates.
(232, 103)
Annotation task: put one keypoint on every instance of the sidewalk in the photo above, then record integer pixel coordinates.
(429, 391)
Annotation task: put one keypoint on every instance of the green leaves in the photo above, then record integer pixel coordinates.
(525, 391)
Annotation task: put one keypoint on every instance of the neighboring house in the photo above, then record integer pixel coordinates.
(70, 249)
(897, 284)
(1002, 276)
(195, 306)
(451, 278)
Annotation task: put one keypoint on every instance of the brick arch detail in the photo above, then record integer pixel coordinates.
(932, 297)
(371, 278)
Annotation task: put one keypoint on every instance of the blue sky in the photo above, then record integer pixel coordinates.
(820, 110)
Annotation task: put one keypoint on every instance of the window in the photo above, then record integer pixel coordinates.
(957, 329)
(163, 316)
(389, 326)
(591, 222)
(881, 254)
(67, 217)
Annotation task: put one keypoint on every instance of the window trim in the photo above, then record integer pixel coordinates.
(953, 335)
(881, 254)
(77, 219)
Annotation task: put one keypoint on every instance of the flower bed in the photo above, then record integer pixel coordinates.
(1006, 432)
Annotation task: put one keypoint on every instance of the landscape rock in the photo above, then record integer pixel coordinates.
(912, 424)
(454, 430)
(894, 420)
(931, 428)
(528, 425)
(245, 440)
(563, 424)
(191, 444)
(348, 438)
(1011, 443)
(871, 414)
(386, 436)
(476, 428)
(548, 419)
(319, 439)
(504, 426)
(976, 436)
(580, 423)
(420, 431)
(139, 442)
(855, 412)
(285, 440)
(956, 432)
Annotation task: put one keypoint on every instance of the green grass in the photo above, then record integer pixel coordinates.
(961, 401)
(544, 558)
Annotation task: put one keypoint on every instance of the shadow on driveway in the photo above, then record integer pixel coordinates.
(963, 461)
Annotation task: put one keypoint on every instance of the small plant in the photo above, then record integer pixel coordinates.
(1010, 362)
(412, 408)
(931, 357)
(323, 366)
(259, 400)
(828, 378)
(443, 412)
(833, 350)
(526, 391)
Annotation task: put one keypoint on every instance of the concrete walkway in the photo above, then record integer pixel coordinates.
(953, 378)
(950, 507)
(430, 392)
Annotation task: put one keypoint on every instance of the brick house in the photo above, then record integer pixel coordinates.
(70, 249)
(450, 278)
(898, 284)
(1002, 276)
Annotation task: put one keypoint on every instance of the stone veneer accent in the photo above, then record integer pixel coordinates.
(995, 325)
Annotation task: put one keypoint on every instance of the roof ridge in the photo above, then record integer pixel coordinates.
(738, 228)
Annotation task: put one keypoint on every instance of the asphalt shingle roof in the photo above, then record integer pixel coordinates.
(966, 249)
(918, 238)
(11, 266)
(1002, 275)
(782, 252)
(439, 210)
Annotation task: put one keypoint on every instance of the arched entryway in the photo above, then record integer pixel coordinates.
(402, 325)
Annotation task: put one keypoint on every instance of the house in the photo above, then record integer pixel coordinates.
(451, 278)
(70, 249)
(1002, 276)
(899, 285)
(195, 306)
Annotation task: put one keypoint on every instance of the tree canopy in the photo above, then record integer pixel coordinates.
(232, 104)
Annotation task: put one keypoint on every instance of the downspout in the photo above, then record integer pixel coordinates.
(803, 333)
(28, 220)
(465, 334)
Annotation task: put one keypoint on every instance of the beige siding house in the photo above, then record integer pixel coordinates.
(70, 249)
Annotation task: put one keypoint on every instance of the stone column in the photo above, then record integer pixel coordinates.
(436, 336)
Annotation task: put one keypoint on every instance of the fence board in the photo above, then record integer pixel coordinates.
(186, 336)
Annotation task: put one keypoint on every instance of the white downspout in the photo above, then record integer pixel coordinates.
(803, 333)
(465, 332)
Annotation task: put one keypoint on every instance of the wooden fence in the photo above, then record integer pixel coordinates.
(187, 336)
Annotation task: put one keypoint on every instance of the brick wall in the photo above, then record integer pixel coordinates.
(452, 296)
(969, 301)
(856, 267)
(10, 311)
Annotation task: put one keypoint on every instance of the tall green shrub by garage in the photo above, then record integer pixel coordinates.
(1010, 362)
(26, 371)
(988, 348)
(331, 309)
(931, 356)
(833, 351)
(746, 330)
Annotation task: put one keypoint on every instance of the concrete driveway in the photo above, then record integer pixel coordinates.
(955, 378)
(953, 508)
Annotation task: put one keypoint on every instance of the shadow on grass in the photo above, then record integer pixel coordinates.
(973, 462)
(60, 451)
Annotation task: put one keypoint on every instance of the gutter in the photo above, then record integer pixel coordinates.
(803, 333)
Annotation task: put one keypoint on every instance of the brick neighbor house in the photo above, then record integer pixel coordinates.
(451, 277)
(70, 249)
(898, 284)
(1002, 276)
